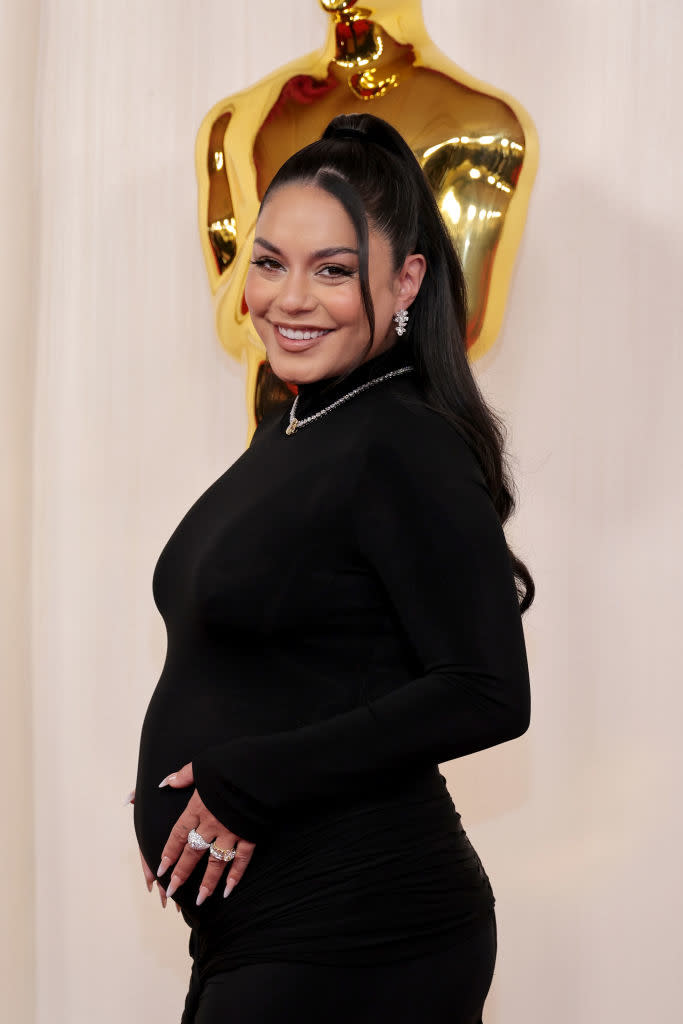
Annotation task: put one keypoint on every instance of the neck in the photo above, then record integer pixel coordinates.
(317, 394)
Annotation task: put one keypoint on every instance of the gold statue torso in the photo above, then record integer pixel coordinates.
(477, 148)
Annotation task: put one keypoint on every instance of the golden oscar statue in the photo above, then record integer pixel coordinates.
(477, 147)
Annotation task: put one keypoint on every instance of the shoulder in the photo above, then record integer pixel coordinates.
(419, 478)
(405, 435)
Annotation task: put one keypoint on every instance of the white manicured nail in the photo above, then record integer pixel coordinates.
(172, 887)
(203, 893)
(164, 866)
(129, 799)
(230, 885)
(165, 782)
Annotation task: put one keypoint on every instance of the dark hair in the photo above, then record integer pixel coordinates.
(368, 167)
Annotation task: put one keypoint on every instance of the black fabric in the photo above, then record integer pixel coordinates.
(342, 618)
(447, 987)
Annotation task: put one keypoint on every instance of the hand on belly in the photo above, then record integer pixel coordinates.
(196, 831)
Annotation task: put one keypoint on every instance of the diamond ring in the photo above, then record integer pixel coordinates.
(219, 854)
(196, 842)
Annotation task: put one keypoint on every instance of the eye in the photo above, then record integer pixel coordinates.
(266, 262)
(336, 271)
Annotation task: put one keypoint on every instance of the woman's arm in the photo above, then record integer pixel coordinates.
(426, 524)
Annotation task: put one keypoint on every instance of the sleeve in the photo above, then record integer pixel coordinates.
(426, 524)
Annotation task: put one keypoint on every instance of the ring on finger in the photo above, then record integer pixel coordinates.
(196, 841)
(219, 854)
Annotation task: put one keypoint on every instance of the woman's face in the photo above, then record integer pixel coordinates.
(303, 287)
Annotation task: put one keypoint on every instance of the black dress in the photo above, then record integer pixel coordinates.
(342, 618)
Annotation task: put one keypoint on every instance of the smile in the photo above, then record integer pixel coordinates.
(306, 334)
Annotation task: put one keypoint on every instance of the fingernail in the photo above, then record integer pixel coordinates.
(177, 906)
(162, 897)
(150, 885)
(203, 893)
(173, 886)
(165, 782)
(129, 799)
(164, 866)
(231, 883)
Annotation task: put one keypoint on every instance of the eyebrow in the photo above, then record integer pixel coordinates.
(319, 254)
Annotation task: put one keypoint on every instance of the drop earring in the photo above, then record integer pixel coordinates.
(400, 318)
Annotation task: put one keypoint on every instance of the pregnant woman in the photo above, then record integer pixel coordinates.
(343, 616)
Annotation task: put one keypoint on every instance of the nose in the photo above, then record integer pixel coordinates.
(294, 294)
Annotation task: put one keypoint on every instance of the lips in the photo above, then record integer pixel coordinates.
(299, 339)
(302, 333)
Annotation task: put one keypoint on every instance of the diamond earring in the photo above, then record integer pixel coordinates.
(400, 318)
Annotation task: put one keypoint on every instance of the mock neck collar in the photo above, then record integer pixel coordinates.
(318, 393)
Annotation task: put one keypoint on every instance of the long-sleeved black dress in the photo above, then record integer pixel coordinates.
(342, 618)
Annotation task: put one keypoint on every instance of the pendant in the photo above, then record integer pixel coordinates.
(292, 427)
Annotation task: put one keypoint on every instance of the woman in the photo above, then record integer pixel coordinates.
(343, 615)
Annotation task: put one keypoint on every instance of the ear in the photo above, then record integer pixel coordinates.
(410, 278)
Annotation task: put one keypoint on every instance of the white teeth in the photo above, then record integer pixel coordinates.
(300, 335)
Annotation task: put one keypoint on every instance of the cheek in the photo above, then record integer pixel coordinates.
(345, 304)
(256, 294)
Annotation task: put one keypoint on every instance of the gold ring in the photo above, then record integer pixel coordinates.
(219, 854)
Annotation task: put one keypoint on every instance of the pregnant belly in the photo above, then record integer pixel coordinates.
(198, 705)
(157, 810)
(174, 731)
(369, 867)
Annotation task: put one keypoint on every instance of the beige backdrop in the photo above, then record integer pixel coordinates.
(118, 408)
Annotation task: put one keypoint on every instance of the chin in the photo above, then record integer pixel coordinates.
(299, 368)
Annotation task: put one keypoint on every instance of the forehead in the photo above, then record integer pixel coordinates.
(305, 214)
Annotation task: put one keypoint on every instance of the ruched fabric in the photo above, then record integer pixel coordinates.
(368, 882)
(445, 987)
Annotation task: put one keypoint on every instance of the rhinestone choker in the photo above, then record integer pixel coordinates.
(294, 423)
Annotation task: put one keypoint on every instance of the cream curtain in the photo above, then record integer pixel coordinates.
(118, 407)
(18, 206)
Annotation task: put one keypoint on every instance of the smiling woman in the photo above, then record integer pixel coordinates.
(297, 296)
(343, 615)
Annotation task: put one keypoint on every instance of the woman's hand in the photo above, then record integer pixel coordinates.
(177, 851)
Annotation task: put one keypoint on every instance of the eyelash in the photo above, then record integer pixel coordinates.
(266, 262)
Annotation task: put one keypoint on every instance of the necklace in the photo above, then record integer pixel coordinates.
(294, 423)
